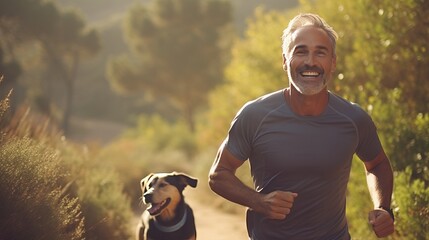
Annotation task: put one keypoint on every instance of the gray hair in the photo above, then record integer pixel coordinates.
(307, 19)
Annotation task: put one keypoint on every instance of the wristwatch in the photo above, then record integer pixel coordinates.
(390, 211)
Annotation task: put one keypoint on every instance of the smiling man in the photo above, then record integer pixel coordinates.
(300, 142)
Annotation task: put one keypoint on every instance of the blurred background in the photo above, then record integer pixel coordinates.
(96, 94)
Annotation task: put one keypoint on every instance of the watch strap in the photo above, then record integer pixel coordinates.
(390, 211)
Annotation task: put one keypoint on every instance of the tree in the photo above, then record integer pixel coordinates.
(255, 69)
(179, 52)
(62, 35)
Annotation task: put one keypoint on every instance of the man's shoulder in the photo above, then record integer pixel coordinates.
(266, 102)
(347, 108)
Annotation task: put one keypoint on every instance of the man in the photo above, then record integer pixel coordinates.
(300, 142)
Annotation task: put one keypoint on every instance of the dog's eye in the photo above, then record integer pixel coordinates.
(161, 185)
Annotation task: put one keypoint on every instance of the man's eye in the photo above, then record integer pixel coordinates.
(322, 54)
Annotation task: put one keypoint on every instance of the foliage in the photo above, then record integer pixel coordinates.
(405, 137)
(179, 55)
(255, 69)
(412, 206)
(154, 145)
(62, 35)
(106, 208)
(159, 135)
(4, 106)
(51, 189)
(32, 202)
(9, 73)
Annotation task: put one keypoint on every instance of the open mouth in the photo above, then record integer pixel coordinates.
(310, 74)
(156, 208)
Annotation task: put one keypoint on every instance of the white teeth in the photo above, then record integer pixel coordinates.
(310, 74)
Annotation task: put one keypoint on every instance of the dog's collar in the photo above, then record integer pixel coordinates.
(175, 227)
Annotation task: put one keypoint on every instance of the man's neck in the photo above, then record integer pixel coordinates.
(306, 105)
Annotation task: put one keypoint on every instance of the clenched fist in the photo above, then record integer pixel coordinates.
(277, 204)
(382, 222)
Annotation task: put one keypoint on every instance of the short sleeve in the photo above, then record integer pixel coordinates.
(369, 145)
(240, 135)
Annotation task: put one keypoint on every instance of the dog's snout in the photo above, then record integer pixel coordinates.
(147, 197)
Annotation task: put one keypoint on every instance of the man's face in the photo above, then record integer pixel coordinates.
(310, 60)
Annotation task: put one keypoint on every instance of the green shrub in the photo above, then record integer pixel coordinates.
(158, 135)
(412, 206)
(106, 208)
(32, 204)
(405, 135)
(53, 189)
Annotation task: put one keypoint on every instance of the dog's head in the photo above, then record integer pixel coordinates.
(163, 191)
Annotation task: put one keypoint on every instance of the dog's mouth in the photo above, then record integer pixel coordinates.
(156, 208)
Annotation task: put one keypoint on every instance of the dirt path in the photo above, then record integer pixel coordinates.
(214, 224)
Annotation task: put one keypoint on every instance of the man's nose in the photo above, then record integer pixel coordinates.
(310, 60)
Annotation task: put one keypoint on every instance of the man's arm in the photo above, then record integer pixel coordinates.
(379, 177)
(223, 181)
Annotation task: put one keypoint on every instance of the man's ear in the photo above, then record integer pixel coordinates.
(284, 63)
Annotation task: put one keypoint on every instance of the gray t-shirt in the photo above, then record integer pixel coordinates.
(309, 155)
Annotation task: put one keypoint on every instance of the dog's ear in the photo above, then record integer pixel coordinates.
(187, 180)
(144, 182)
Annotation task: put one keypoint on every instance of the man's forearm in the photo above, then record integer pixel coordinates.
(380, 184)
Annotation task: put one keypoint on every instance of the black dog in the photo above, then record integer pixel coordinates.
(167, 217)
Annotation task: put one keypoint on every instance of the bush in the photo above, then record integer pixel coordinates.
(32, 205)
(158, 135)
(106, 208)
(412, 206)
(53, 189)
(404, 134)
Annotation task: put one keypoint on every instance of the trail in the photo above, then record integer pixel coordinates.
(215, 224)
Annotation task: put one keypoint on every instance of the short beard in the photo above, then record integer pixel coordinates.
(308, 89)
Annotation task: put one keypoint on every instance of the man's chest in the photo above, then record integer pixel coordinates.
(296, 144)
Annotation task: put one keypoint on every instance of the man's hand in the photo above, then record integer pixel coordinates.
(277, 204)
(382, 222)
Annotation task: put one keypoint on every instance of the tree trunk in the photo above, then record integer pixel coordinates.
(70, 81)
